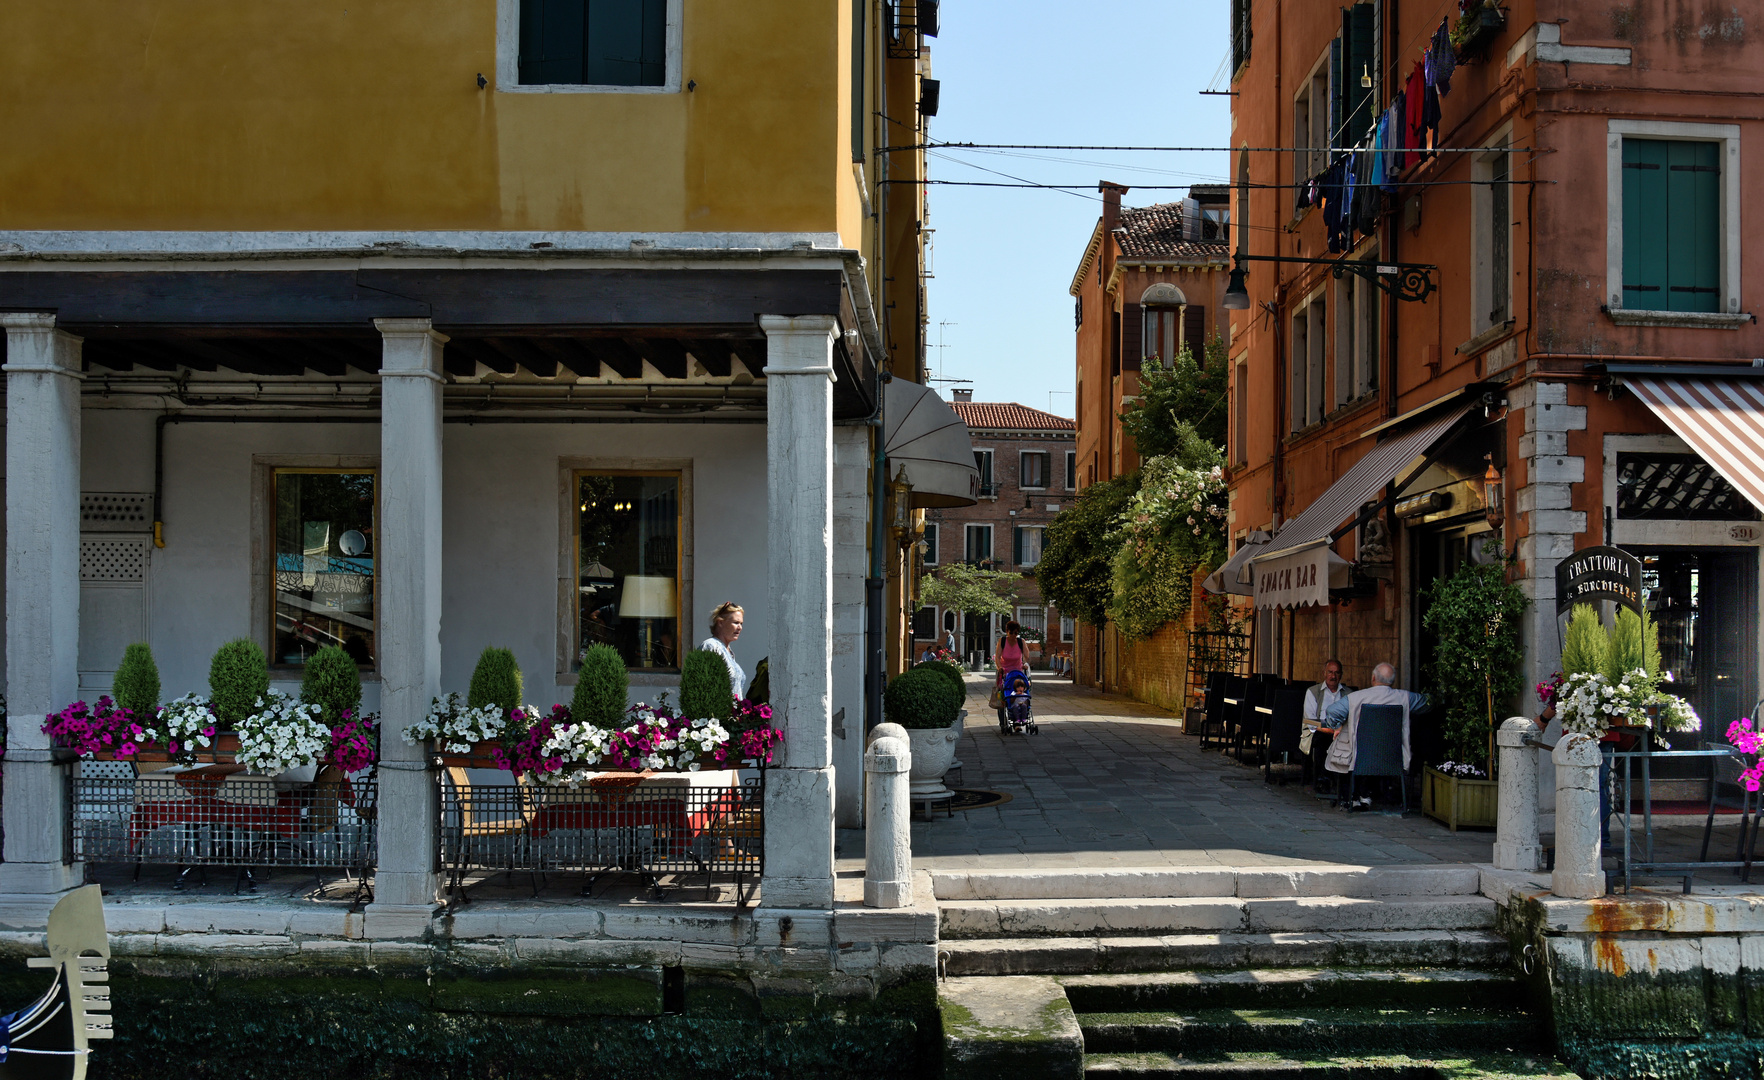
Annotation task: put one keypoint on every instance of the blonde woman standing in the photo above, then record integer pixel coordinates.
(725, 627)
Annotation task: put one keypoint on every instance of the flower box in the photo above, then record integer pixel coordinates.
(1458, 801)
(479, 757)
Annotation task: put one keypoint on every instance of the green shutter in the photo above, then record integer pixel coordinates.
(1017, 545)
(1132, 339)
(1337, 103)
(626, 42)
(1693, 189)
(1362, 50)
(1644, 225)
(551, 41)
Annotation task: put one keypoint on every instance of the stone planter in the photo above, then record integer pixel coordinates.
(1459, 802)
(933, 750)
(961, 728)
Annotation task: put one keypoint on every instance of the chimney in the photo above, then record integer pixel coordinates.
(964, 394)
(1111, 220)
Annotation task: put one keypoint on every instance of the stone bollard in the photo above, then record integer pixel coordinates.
(1580, 871)
(888, 834)
(1516, 846)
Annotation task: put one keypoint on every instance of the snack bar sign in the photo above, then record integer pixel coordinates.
(1599, 573)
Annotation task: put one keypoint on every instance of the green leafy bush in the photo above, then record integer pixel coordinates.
(136, 685)
(919, 699)
(603, 687)
(704, 686)
(495, 681)
(1478, 661)
(237, 677)
(1076, 571)
(950, 672)
(1174, 524)
(333, 683)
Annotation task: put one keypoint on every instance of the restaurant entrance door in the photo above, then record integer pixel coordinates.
(1705, 603)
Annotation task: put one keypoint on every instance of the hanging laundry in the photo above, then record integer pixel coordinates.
(1334, 197)
(1399, 126)
(1430, 118)
(1368, 200)
(1381, 151)
(1445, 59)
(1413, 96)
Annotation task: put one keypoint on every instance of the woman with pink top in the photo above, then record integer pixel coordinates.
(1009, 656)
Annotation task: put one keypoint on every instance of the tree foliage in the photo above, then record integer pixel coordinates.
(970, 590)
(1182, 398)
(1174, 524)
(1478, 662)
(1076, 571)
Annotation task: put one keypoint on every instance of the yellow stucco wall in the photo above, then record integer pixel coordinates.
(366, 114)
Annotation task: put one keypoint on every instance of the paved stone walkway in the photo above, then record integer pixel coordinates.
(1113, 782)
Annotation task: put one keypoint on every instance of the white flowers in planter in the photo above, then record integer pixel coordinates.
(456, 727)
(282, 734)
(1590, 704)
(188, 721)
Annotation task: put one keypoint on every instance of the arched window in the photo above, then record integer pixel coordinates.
(1161, 310)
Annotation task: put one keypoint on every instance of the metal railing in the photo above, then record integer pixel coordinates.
(666, 828)
(1638, 860)
(221, 815)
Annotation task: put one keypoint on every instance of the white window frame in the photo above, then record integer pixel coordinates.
(1728, 135)
(1357, 336)
(1482, 226)
(1311, 144)
(1306, 398)
(1040, 619)
(1021, 471)
(1042, 529)
(508, 58)
(992, 540)
(933, 535)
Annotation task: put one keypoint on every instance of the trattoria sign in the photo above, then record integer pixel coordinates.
(1599, 573)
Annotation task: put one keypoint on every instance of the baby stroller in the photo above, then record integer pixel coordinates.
(1015, 716)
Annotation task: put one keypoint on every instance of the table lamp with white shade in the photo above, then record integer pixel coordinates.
(647, 599)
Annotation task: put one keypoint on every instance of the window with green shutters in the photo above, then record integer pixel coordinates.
(1671, 225)
(594, 42)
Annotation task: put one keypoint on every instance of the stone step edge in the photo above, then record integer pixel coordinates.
(1257, 1064)
(968, 919)
(1139, 954)
(1273, 978)
(1247, 882)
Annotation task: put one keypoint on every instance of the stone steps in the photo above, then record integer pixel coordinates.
(1087, 954)
(1208, 882)
(1256, 1066)
(959, 919)
(1356, 1029)
(1294, 989)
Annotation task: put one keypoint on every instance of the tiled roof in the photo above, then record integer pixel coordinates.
(995, 415)
(1155, 232)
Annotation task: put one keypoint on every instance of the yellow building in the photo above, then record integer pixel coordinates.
(484, 268)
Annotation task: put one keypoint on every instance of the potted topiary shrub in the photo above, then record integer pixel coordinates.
(603, 688)
(920, 701)
(238, 679)
(705, 692)
(495, 681)
(959, 687)
(333, 683)
(136, 684)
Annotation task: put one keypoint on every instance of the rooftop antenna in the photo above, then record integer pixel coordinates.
(941, 346)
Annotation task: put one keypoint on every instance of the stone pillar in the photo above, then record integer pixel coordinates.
(1580, 870)
(799, 564)
(851, 557)
(888, 830)
(1516, 846)
(42, 606)
(409, 568)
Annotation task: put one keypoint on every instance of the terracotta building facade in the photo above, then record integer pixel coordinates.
(1027, 460)
(1151, 280)
(1498, 288)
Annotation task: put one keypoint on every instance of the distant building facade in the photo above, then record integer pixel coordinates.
(1028, 470)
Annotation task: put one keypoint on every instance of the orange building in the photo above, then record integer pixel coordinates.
(1152, 279)
(1527, 325)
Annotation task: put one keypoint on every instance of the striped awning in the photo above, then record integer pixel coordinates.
(1359, 485)
(1722, 419)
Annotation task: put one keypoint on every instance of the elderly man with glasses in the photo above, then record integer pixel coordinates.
(1318, 699)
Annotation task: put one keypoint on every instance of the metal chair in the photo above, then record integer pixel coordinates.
(1213, 717)
(1285, 724)
(1233, 699)
(1378, 748)
(1252, 728)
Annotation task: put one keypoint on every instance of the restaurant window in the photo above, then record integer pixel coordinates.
(324, 563)
(628, 566)
(1026, 545)
(594, 42)
(979, 545)
(1033, 467)
(930, 543)
(925, 623)
(1676, 487)
(1071, 470)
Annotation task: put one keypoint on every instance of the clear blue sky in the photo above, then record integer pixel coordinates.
(1100, 72)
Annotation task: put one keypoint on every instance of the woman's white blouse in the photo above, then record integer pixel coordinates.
(737, 677)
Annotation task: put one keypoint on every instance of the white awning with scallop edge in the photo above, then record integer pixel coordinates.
(924, 434)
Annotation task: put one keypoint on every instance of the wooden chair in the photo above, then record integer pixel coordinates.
(482, 833)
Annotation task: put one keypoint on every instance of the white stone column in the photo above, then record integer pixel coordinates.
(1580, 868)
(1516, 846)
(799, 493)
(851, 557)
(888, 831)
(42, 605)
(408, 564)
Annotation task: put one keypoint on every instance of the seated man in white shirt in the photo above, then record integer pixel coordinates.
(1318, 699)
(1344, 715)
